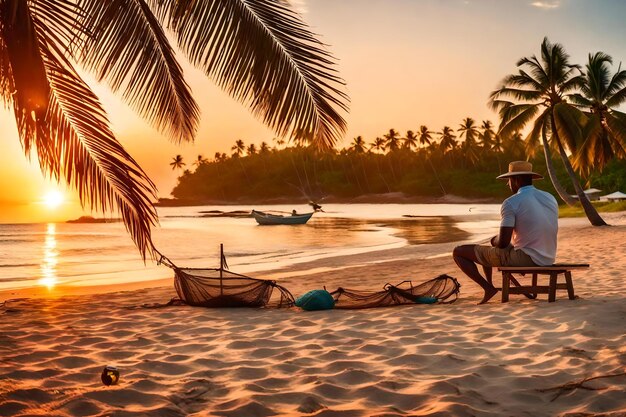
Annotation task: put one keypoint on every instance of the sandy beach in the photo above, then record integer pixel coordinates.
(459, 359)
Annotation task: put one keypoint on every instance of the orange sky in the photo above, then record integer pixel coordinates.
(406, 63)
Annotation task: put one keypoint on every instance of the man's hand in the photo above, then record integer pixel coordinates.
(503, 239)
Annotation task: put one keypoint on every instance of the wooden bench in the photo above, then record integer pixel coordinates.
(531, 291)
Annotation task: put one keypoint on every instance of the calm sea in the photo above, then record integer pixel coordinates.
(94, 254)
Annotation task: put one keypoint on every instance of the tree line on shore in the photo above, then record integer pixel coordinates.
(571, 112)
(430, 164)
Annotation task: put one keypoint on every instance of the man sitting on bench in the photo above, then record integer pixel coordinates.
(528, 231)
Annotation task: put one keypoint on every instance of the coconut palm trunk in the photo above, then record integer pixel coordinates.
(380, 172)
(565, 196)
(443, 190)
(590, 210)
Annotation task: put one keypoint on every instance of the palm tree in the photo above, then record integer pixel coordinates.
(447, 139)
(514, 144)
(264, 148)
(220, 157)
(605, 131)
(392, 140)
(425, 136)
(540, 92)
(358, 145)
(238, 148)
(251, 149)
(279, 142)
(199, 161)
(469, 146)
(379, 144)
(487, 134)
(260, 52)
(410, 140)
(177, 162)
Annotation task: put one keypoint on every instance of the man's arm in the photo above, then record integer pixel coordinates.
(503, 239)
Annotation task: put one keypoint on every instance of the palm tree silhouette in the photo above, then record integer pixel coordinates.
(238, 148)
(260, 52)
(251, 149)
(177, 162)
(447, 139)
(279, 142)
(470, 145)
(379, 144)
(264, 148)
(358, 145)
(487, 135)
(539, 92)
(410, 140)
(605, 130)
(425, 136)
(392, 140)
(199, 161)
(514, 144)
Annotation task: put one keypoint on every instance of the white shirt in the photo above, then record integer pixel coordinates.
(534, 216)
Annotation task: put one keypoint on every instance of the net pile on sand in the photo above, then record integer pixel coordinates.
(443, 289)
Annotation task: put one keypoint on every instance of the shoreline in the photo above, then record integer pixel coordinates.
(387, 198)
(458, 359)
(357, 261)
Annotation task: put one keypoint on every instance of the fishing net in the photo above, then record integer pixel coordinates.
(219, 287)
(444, 288)
(222, 288)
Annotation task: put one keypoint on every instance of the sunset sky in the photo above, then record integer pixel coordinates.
(405, 62)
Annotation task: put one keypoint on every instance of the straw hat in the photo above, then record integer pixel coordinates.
(520, 168)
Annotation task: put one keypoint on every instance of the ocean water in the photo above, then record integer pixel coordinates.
(49, 254)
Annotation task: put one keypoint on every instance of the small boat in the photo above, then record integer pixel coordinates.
(267, 218)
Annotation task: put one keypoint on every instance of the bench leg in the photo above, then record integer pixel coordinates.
(534, 283)
(506, 283)
(570, 285)
(552, 288)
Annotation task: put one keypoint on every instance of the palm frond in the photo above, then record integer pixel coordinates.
(571, 84)
(579, 100)
(264, 55)
(128, 48)
(597, 75)
(537, 71)
(617, 83)
(70, 131)
(569, 122)
(515, 117)
(616, 125)
(616, 99)
(591, 152)
(531, 143)
(25, 75)
(523, 80)
(518, 94)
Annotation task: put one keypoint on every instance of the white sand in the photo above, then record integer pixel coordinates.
(459, 360)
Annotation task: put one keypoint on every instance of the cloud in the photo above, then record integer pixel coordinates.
(546, 4)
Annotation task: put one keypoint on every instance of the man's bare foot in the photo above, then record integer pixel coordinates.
(488, 295)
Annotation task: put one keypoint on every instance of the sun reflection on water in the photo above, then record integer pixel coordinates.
(50, 258)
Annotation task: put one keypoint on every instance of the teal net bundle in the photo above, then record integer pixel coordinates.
(219, 287)
(444, 288)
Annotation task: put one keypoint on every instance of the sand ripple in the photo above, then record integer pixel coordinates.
(439, 360)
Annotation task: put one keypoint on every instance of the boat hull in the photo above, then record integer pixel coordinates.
(267, 219)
